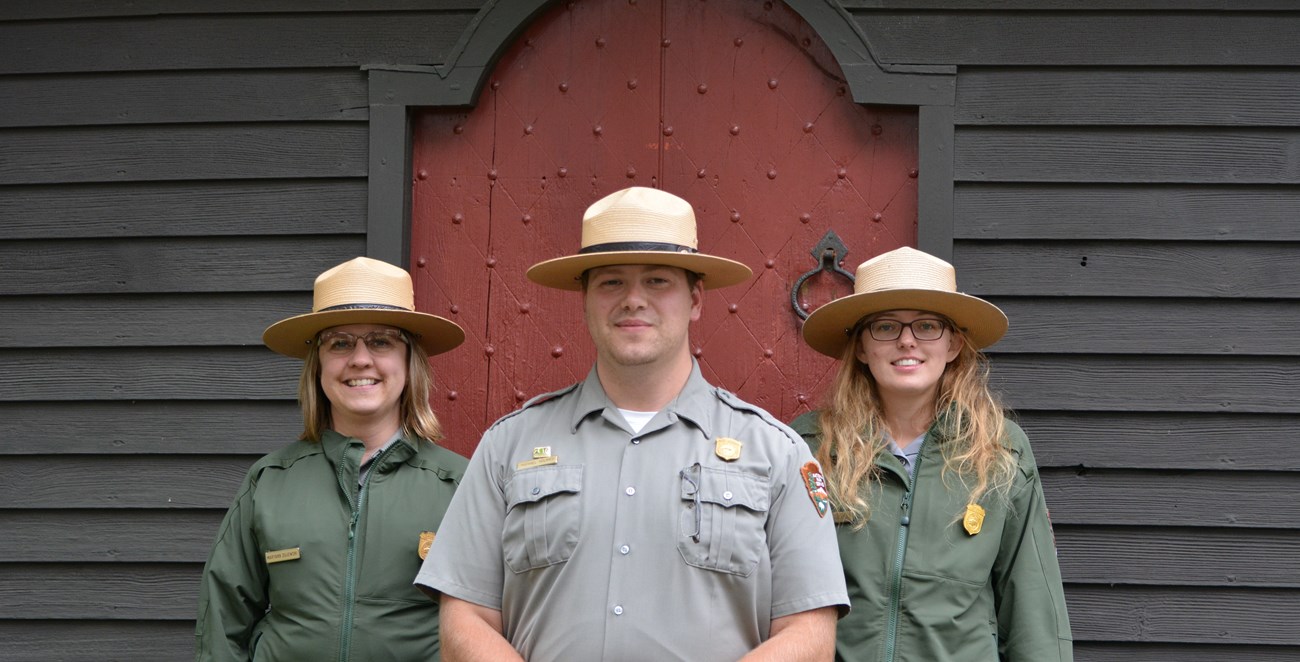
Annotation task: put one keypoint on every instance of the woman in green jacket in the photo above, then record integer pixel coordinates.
(943, 531)
(316, 557)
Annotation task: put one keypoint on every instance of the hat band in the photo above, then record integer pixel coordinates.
(363, 306)
(617, 246)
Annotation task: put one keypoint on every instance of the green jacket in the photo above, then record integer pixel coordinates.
(308, 565)
(931, 592)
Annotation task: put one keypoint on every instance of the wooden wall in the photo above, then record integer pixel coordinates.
(1126, 189)
(174, 174)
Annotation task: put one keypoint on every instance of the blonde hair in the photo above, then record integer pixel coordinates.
(972, 424)
(417, 416)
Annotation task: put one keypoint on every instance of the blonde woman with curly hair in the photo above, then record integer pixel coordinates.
(943, 530)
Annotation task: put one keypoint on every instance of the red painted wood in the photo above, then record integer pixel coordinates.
(735, 105)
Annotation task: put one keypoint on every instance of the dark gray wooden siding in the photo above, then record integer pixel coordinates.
(1126, 186)
(173, 174)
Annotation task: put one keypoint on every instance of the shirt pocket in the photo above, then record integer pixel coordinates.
(543, 514)
(723, 519)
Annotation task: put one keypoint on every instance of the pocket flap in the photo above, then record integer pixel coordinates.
(734, 488)
(538, 483)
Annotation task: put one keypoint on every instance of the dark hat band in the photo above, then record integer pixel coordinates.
(619, 246)
(363, 306)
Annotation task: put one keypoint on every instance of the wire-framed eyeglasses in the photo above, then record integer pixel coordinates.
(378, 342)
(925, 328)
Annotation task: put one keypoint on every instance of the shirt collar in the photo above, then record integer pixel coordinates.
(690, 404)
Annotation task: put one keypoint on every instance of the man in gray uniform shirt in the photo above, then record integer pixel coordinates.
(641, 514)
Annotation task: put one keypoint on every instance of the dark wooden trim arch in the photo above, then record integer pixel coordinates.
(395, 89)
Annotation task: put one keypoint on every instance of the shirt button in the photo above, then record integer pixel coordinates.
(618, 610)
(537, 490)
(630, 490)
(636, 441)
(727, 495)
(624, 549)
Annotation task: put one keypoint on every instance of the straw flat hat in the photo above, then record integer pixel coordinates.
(903, 279)
(638, 225)
(362, 291)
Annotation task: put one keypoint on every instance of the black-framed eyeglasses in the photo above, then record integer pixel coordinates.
(925, 328)
(378, 342)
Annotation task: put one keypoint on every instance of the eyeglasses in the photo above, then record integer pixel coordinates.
(694, 493)
(379, 342)
(922, 329)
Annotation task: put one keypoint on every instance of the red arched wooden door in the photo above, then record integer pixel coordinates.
(735, 105)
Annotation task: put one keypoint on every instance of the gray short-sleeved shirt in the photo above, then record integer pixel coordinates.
(637, 547)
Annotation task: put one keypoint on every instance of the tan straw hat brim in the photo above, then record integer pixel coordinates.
(827, 329)
(565, 273)
(294, 336)
(638, 225)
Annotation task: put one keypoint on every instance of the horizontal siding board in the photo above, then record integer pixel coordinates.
(108, 536)
(1141, 383)
(157, 266)
(1185, 615)
(118, 8)
(1217, 499)
(172, 152)
(1127, 155)
(149, 427)
(1082, 38)
(1073, 6)
(243, 208)
(123, 482)
(1104, 651)
(1169, 556)
(1119, 211)
(125, 641)
(1183, 96)
(148, 374)
(189, 97)
(1159, 440)
(109, 591)
(144, 320)
(1158, 326)
(247, 41)
(1129, 269)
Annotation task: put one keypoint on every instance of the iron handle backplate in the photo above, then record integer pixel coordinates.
(828, 252)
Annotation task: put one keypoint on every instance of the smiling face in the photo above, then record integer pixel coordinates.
(364, 387)
(907, 369)
(640, 314)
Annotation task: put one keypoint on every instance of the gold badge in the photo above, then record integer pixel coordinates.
(279, 555)
(974, 519)
(728, 449)
(426, 541)
(541, 452)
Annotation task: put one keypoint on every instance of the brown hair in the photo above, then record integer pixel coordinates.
(417, 416)
(853, 427)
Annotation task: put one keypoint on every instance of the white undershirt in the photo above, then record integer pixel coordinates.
(637, 419)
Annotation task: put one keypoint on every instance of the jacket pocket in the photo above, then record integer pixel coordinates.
(543, 514)
(723, 518)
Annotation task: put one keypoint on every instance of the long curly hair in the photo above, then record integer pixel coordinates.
(972, 426)
(417, 415)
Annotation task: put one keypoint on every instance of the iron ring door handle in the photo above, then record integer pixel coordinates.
(828, 252)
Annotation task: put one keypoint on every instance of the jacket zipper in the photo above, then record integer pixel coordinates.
(896, 577)
(350, 581)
